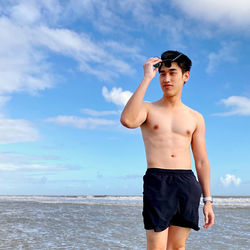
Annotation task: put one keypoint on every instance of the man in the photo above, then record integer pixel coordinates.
(171, 193)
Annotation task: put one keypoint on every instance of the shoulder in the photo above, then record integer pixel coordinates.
(197, 115)
(149, 105)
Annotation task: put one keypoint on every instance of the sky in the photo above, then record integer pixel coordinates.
(67, 68)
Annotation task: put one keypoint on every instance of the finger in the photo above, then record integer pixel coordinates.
(154, 59)
(206, 220)
(156, 69)
(157, 59)
(210, 222)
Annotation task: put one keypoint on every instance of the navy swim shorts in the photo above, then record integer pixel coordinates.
(170, 197)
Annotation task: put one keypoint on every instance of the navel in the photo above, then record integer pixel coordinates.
(156, 126)
(172, 156)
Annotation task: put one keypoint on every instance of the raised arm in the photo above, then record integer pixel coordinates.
(135, 112)
(202, 167)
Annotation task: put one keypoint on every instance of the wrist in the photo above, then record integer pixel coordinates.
(147, 79)
(208, 203)
(207, 199)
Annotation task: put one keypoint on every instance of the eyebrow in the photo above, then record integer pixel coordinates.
(172, 70)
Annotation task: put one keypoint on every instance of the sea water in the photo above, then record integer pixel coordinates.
(109, 222)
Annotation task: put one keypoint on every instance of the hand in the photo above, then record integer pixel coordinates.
(209, 214)
(149, 72)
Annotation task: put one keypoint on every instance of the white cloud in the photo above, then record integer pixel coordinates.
(25, 12)
(225, 14)
(25, 62)
(175, 29)
(33, 11)
(240, 106)
(4, 100)
(107, 16)
(12, 131)
(225, 54)
(28, 39)
(99, 113)
(22, 67)
(131, 52)
(17, 158)
(82, 123)
(137, 8)
(230, 179)
(116, 95)
(34, 167)
(100, 13)
(15, 161)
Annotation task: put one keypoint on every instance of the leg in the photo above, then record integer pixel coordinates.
(177, 237)
(157, 240)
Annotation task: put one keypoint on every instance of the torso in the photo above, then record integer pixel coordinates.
(167, 135)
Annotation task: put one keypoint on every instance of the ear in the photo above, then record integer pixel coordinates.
(186, 76)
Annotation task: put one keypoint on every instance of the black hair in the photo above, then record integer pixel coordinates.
(183, 61)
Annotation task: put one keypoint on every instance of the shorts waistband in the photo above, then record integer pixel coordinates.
(170, 171)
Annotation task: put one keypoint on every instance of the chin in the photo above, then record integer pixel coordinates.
(168, 94)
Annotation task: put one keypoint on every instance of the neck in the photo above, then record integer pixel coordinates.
(171, 101)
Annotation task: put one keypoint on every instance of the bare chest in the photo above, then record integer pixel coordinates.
(160, 122)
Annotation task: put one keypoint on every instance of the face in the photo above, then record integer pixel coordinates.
(172, 79)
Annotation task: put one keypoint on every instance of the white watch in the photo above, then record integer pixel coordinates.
(208, 198)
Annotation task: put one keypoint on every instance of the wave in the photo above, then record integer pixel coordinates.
(219, 201)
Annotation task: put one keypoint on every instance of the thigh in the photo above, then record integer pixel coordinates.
(177, 237)
(156, 240)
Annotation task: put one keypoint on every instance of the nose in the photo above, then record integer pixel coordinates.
(166, 78)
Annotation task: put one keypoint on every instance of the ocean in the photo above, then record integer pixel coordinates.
(109, 222)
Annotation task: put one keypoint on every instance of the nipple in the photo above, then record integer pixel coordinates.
(172, 155)
(188, 132)
(156, 126)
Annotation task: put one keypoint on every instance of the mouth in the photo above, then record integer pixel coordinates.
(167, 85)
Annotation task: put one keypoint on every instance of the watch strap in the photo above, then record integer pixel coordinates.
(208, 198)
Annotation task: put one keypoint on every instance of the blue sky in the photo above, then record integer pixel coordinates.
(67, 68)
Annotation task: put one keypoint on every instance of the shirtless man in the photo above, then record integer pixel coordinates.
(171, 193)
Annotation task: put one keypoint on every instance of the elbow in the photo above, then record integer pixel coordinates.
(202, 164)
(127, 124)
